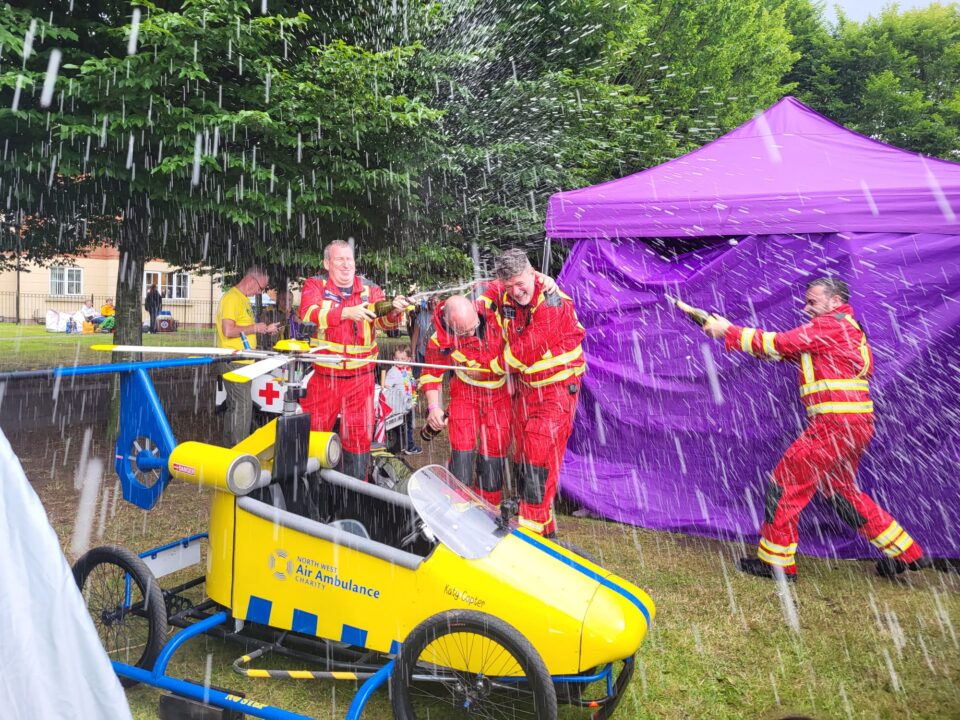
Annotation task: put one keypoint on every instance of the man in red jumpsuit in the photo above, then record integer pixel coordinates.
(468, 338)
(543, 352)
(340, 305)
(835, 366)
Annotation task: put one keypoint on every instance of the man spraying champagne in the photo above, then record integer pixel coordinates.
(835, 366)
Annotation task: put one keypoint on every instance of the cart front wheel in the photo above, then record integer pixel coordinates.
(466, 663)
(126, 604)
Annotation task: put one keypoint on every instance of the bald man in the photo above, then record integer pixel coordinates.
(469, 338)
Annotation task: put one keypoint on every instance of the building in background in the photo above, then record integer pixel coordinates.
(27, 294)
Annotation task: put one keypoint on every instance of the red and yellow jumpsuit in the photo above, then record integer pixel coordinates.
(543, 352)
(479, 407)
(346, 389)
(835, 366)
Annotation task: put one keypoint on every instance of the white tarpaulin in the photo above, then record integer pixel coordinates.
(52, 665)
(57, 321)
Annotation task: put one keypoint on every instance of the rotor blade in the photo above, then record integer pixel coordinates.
(249, 372)
(184, 350)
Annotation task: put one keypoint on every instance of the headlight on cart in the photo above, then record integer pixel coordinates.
(218, 467)
(326, 448)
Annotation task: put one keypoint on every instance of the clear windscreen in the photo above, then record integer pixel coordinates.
(460, 519)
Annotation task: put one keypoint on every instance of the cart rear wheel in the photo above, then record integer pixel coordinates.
(126, 605)
(461, 663)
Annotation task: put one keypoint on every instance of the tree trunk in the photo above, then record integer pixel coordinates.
(129, 300)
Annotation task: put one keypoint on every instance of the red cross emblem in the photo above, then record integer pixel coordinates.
(269, 394)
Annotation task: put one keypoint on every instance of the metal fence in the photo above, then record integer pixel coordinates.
(33, 307)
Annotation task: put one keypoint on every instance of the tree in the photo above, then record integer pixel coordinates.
(221, 138)
(893, 77)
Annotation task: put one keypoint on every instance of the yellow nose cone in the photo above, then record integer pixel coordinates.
(615, 624)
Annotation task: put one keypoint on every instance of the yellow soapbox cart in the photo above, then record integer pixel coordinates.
(430, 590)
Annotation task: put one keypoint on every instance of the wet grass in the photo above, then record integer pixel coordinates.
(720, 646)
(29, 347)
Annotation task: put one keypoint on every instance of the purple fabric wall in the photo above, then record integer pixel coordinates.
(653, 445)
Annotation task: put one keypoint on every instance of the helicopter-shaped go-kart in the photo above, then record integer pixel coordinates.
(432, 590)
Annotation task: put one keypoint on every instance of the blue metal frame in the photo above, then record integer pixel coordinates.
(153, 552)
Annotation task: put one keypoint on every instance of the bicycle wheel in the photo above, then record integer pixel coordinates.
(466, 663)
(126, 604)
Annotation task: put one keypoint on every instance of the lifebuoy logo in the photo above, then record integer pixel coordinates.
(280, 564)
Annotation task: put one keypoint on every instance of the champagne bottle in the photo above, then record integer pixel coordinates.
(380, 308)
(427, 433)
(697, 315)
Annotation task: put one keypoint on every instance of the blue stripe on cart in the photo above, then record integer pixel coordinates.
(353, 636)
(258, 610)
(304, 622)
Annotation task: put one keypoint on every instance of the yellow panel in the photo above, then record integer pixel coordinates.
(519, 582)
(220, 547)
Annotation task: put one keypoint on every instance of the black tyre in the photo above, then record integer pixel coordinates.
(126, 604)
(465, 663)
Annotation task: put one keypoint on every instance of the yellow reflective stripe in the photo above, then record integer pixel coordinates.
(424, 378)
(865, 354)
(768, 346)
(460, 357)
(777, 560)
(781, 549)
(367, 334)
(496, 367)
(310, 309)
(899, 546)
(492, 384)
(840, 408)
(533, 524)
(341, 348)
(512, 360)
(821, 385)
(550, 362)
(563, 375)
(887, 535)
(746, 339)
(325, 307)
(806, 364)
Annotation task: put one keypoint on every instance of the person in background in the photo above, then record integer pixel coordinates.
(153, 304)
(90, 314)
(422, 330)
(237, 328)
(340, 305)
(107, 309)
(835, 366)
(401, 376)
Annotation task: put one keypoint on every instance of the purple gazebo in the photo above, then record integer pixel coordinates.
(673, 433)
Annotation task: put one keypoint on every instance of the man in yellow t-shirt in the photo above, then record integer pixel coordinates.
(236, 323)
(107, 309)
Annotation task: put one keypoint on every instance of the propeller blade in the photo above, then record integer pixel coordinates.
(184, 350)
(249, 372)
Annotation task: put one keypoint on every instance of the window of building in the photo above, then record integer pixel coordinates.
(172, 285)
(66, 280)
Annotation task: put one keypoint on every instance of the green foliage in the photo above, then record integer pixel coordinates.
(895, 77)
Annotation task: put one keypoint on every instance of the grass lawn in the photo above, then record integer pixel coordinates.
(721, 645)
(29, 347)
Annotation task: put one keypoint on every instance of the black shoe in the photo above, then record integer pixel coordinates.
(946, 564)
(891, 567)
(757, 567)
(415, 450)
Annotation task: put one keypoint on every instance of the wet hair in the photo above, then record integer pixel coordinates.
(832, 286)
(510, 264)
(333, 244)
